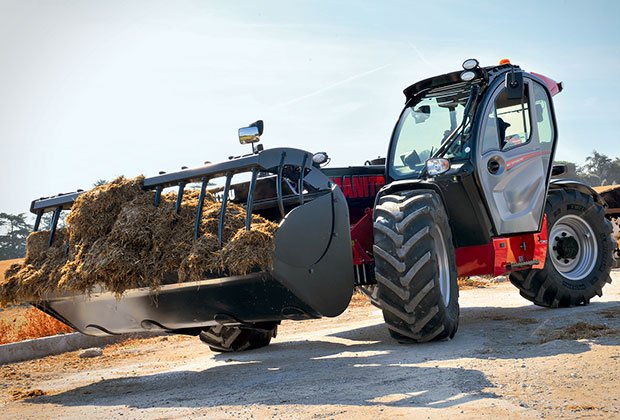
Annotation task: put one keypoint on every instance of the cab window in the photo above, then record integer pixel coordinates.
(544, 122)
(508, 123)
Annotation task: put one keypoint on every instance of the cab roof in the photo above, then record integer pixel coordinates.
(487, 73)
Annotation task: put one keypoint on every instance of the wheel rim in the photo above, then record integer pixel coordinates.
(443, 265)
(573, 248)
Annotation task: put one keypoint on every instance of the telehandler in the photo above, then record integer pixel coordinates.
(466, 189)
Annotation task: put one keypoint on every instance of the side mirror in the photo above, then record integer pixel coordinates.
(557, 170)
(514, 85)
(260, 125)
(411, 160)
(251, 134)
(539, 113)
(421, 113)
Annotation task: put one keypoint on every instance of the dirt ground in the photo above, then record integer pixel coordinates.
(509, 359)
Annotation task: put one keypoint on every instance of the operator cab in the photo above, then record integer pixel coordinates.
(486, 137)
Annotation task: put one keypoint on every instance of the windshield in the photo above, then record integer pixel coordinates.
(427, 127)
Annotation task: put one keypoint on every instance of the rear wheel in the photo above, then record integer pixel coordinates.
(415, 267)
(223, 339)
(579, 254)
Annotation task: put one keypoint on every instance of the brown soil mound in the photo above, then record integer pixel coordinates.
(117, 239)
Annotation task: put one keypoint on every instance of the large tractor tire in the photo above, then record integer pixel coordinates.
(415, 267)
(579, 254)
(224, 339)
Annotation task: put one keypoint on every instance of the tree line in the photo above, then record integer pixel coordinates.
(598, 169)
(14, 230)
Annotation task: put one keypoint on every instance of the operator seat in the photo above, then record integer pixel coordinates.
(502, 126)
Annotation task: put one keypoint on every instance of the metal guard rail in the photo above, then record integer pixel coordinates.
(283, 162)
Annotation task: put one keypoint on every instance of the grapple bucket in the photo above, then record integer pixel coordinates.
(312, 273)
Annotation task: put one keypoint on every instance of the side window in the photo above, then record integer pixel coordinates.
(508, 124)
(513, 120)
(544, 123)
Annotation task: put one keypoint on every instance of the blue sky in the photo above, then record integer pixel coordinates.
(96, 89)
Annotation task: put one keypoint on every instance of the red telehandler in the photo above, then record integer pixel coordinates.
(466, 189)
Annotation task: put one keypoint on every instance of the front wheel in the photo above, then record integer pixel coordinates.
(415, 267)
(223, 339)
(579, 253)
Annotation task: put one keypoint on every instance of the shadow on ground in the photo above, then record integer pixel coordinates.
(361, 366)
(301, 372)
(506, 332)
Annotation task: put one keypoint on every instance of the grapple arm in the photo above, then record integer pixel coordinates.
(312, 272)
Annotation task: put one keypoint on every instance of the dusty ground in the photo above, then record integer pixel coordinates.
(509, 359)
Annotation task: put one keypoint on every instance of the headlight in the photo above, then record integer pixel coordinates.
(437, 166)
(470, 64)
(320, 158)
(468, 75)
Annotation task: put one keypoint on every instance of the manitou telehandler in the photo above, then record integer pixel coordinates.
(465, 190)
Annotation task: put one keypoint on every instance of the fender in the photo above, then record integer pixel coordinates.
(470, 222)
(407, 184)
(567, 183)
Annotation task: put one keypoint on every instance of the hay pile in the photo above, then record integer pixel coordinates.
(115, 238)
(615, 223)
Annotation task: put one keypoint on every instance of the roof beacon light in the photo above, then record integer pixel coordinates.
(470, 64)
(504, 61)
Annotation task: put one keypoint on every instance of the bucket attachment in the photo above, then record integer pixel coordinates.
(312, 273)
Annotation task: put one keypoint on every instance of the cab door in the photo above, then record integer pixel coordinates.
(515, 145)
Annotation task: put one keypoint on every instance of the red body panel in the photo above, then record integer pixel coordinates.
(504, 254)
(362, 239)
(359, 186)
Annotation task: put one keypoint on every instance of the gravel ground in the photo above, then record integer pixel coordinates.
(509, 358)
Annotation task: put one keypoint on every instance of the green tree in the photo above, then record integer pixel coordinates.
(600, 169)
(14, 229)
(614, 173)
(571, 169)
(46, 220)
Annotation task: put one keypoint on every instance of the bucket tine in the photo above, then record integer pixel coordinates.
(177, 206)
(158, 190)
(37, 221)
(54, 224)
(248, 207)
(201, 199)
(279, 185)
(220, 228)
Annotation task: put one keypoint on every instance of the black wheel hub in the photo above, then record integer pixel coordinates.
(566, 247)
